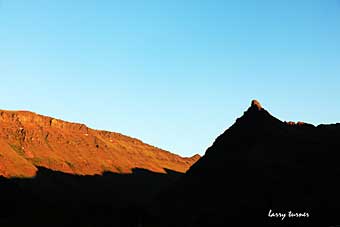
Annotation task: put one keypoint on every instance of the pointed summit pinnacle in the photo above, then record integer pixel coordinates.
(256, 104)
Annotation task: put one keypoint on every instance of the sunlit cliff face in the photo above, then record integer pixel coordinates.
(29, 140)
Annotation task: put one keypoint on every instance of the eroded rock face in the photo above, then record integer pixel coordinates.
(256, 104)
(292, 123)
(29, 140)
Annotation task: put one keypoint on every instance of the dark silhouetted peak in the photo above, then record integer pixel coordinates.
(256, 116)
(255, 106)
(258, 164)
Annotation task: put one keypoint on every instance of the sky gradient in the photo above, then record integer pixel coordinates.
(174, 74)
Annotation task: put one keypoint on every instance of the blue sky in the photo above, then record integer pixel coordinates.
(175, 74)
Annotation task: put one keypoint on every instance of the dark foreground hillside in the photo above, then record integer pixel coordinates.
(59, 199)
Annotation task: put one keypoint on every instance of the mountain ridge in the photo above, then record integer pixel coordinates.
(31, 140)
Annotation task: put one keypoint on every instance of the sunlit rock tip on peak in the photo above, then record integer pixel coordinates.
(257, 104)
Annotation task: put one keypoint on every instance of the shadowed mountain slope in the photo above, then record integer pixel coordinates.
(53, 198)
(29, 140)
(260, 164)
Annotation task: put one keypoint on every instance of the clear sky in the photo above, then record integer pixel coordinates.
(175, 73)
